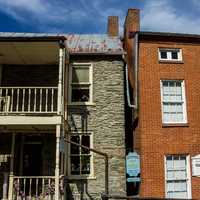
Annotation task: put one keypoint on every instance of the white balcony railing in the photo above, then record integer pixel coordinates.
(35, 187)
(28, 99)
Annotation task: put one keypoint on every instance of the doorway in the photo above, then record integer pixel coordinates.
(32, 159)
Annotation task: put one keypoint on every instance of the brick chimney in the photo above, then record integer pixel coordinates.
(131, 25)
(132, 22)
(113, 26)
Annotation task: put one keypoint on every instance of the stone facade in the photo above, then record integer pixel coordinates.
(105, 119)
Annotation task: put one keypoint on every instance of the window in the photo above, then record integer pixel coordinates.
(170, 54)
(173, 101)
(177, 176)
(81, 83)
(80, 158)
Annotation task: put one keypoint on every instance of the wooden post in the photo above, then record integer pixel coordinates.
(57, 167)
(10, 191)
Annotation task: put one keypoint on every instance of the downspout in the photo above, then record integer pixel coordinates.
(135, 55)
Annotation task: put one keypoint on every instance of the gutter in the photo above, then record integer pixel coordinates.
(135, 55)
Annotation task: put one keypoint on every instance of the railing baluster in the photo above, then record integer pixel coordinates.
(30, 187)
(6, 101)
(11, 101)
(40, 99)
(23, 99)
(17, 106)
(43, 187)
(29, 100)
(36, 189)
(35, 94)
(49, 186)
(18, 188)
(46, 107)
(52, 95)
(24, 190)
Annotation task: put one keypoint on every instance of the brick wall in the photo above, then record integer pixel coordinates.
(153, 140)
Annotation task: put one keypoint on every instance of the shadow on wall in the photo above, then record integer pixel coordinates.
(78, 124)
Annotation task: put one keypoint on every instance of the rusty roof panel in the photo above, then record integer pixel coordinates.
(94, 43)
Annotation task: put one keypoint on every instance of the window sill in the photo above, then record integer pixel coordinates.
(175, 125)
(171, 61)
(82, 104)
(81, 177)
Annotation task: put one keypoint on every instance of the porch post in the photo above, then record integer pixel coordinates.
(10, 191)
(57, 167)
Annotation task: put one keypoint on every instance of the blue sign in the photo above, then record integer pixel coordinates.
(132, 164)
(133, 179)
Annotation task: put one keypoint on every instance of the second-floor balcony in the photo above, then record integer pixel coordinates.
(31, 79)
(28, 100)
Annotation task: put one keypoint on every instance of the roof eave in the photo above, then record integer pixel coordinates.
(33, 39)
(98, 53)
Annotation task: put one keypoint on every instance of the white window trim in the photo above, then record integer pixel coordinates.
(85, 176)
(189, 187)
(169, 57)
(90, 102)
(184, 102)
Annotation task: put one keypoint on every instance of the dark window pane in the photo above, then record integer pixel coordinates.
(174, 55)
(75, 165)
(80, 95)
(74, 148)
(163, 54)
(85, 164)
(85, 142)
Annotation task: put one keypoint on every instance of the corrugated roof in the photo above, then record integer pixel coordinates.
(76, 43)
(94, 43)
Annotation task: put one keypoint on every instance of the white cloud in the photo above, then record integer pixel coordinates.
(42, 12)
(162, 16)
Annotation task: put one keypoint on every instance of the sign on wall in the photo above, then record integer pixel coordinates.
(133, 166)
(196, 165)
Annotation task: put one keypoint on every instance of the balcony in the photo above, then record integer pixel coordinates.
(36, 187)
(28, 100)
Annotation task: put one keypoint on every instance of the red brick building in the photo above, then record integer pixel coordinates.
(164, 72)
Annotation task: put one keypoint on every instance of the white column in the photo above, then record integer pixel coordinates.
(10, 191)
(5, 185)
(59, 103)
(57, 167)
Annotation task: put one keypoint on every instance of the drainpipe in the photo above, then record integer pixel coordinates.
(135, 55)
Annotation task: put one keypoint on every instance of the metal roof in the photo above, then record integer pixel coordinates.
(94, 43)
(76, 43)
(12, 36)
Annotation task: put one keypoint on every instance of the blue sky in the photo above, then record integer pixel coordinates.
(90, 16)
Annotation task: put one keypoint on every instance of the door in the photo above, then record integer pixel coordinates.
(32, 159)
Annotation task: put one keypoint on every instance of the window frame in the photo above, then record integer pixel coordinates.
(188, 173)
(90, 83)
(81, 176)
(169, 54)
(185, 120)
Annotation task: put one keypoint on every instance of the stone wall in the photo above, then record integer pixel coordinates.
(105, 119)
